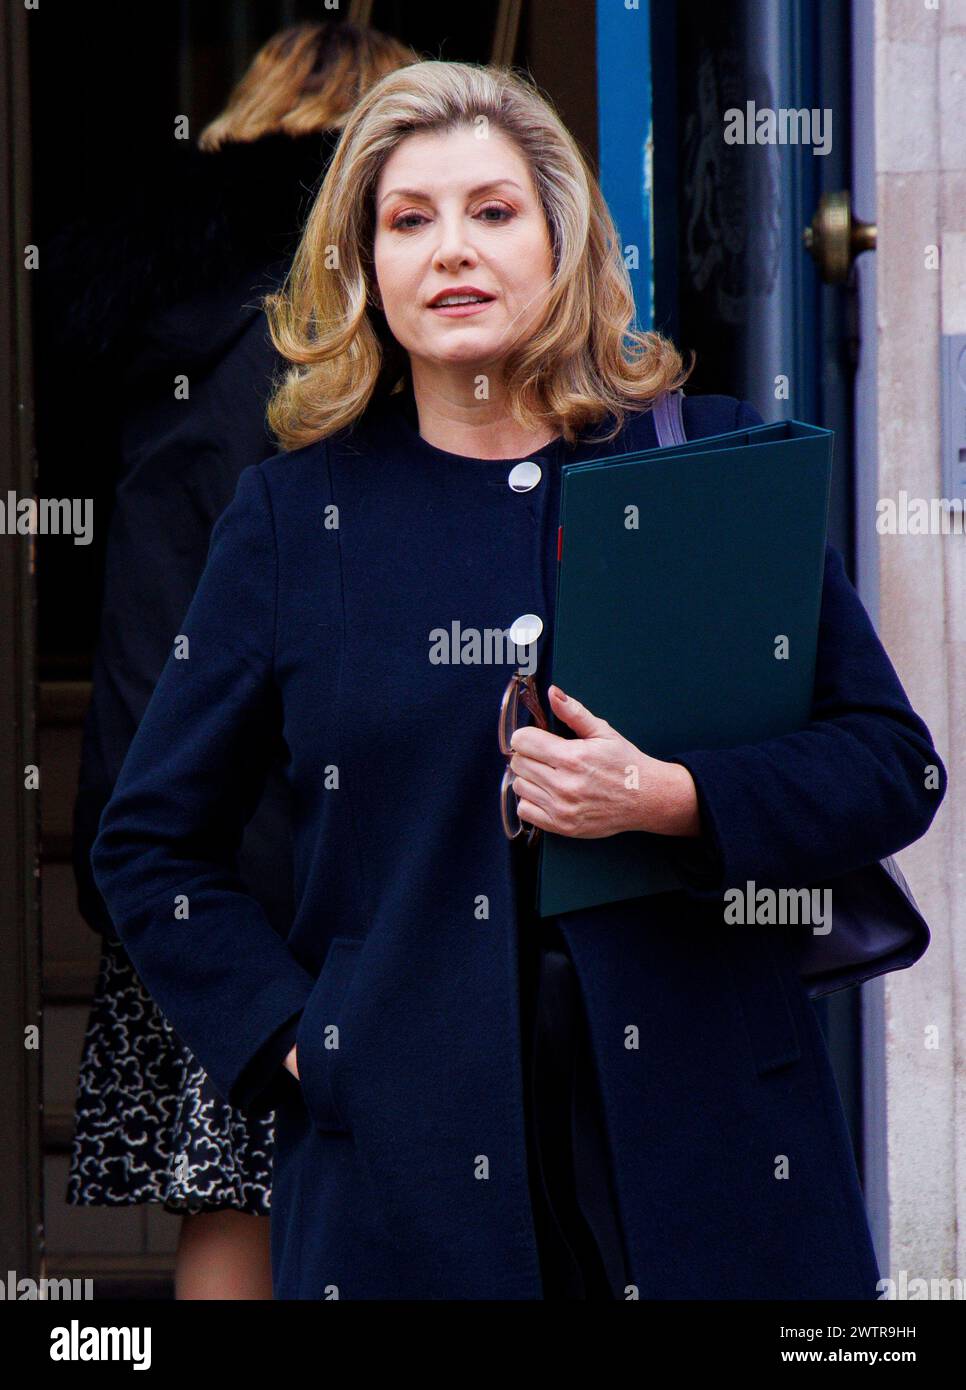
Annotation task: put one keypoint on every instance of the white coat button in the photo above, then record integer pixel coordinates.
(523, 476)
(525, 629)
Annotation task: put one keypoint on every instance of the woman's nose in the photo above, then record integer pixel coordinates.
(454, 246)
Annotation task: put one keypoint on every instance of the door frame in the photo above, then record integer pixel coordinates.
(865, 481)
(21, 1164)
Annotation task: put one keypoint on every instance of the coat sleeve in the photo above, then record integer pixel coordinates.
(165, 857)
(860, 782)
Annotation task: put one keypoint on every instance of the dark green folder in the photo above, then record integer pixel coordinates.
(670, 631)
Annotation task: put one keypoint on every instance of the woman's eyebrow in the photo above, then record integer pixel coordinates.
(420, 193)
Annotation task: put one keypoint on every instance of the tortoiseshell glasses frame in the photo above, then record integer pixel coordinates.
(519, 687)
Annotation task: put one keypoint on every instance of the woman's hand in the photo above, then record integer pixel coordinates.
(292, 1063)
(597, 784)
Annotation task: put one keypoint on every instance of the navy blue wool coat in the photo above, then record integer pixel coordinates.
(400, 1162)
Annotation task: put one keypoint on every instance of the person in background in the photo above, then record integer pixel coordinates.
(164, 298)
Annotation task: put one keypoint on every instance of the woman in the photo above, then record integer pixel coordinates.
(171, 293)
(424, 1150)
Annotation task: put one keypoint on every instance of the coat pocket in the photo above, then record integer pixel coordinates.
(762, 995)
(319, 1038)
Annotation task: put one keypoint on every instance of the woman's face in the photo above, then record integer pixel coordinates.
(454, 210)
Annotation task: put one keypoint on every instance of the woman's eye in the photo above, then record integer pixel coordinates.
(406, 218)
(504, 212)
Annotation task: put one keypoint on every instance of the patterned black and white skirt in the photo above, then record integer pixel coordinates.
(149, 1126)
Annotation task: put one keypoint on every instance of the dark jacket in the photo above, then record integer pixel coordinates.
(400, 1166)
(170, 290)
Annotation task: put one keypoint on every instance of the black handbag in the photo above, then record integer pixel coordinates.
(876, 923)
(876, 927)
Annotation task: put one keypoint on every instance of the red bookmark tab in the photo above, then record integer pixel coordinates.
(559, 543)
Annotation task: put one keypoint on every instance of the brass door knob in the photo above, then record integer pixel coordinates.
(835, 238)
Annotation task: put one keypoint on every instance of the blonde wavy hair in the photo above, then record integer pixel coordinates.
(583, 362)
(304, 79)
